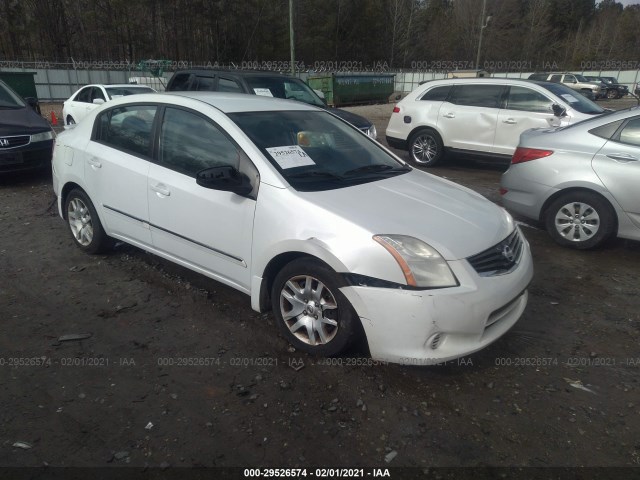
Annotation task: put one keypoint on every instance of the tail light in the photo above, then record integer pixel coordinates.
(527, 154)
(396, 109)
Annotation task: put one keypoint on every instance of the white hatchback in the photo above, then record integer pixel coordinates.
(303, 212)
(87, 98)
(480, 116)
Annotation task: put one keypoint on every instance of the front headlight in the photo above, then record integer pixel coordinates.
(420, 263)
(41, 137)
(372, 132)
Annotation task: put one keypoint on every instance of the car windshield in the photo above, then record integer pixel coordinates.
(577, 101)
(115, 92)
(284, 87)
(315, 151)
(609, 80)
(8, 99)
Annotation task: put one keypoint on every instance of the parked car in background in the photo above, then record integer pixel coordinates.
(611, 88)
(637, 89)
(479, 116)
(301, 211)
(87, 98)
(591, 90)
(26, 139)
(581, 181)
(262, 83)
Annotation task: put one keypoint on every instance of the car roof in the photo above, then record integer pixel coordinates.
(223, 101)
(512, 81)
(240, 73)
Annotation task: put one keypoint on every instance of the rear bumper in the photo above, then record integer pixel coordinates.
(396, 143)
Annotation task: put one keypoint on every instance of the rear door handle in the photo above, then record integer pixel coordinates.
(94, 162)
(161, 189)
(622, 157)
(449, 115)
(510, 121)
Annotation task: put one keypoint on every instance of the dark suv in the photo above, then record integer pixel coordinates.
(268, 84)
(612, 88)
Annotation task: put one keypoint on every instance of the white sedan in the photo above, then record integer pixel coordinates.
(302, 212)
(89, 97)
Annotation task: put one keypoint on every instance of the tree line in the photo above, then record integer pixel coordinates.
(397, 34)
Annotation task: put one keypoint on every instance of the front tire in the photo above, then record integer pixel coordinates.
(426, 148)
(84, 224)
(580, 220)
(310, 310)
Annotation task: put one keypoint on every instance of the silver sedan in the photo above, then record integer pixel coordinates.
(581, 181)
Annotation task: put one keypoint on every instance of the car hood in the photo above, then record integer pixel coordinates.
(458, 222)
(22, 121)
(354, 119)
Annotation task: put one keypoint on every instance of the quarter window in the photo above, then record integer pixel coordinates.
(528, 100)
(555, 78)
(631, 132)
(190, 143)
(127, 128)
(477, 95)
(437, 94)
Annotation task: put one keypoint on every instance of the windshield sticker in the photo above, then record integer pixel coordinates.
(290, 157)
(569, 98)
(265, 92)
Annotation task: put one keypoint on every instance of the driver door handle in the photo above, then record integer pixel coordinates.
(510, 121)
(449, 115)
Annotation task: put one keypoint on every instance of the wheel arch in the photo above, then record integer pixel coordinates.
(274, 266)
(424, 127)
(64, 193)
(552, 198)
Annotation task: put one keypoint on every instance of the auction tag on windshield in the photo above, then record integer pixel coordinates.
(290, 157)
(569, 98)
(265, 92)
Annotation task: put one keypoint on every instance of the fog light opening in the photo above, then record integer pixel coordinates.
(434, 341)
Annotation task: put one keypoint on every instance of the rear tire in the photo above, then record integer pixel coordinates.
(70, 120)
(84, 224)
(612, 94)
(580, 220)
(426, 148)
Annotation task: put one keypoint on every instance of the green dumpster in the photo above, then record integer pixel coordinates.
(22, 82)
(344, 89)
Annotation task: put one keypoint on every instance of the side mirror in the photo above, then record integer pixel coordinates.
(558, 110)
(225, 178)
(33, 103)
(98, 101)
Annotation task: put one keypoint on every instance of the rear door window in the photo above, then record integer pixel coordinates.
(127, 128)
(477, 95)
(180, 82)
(206, 84)
(228, 85)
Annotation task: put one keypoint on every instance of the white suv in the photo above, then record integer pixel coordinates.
(480, 116)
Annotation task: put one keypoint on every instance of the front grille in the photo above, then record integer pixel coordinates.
(16, 141)
(500, 258)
